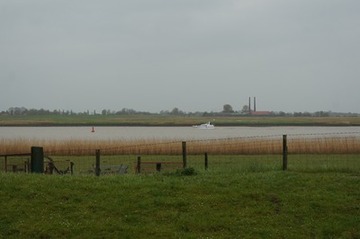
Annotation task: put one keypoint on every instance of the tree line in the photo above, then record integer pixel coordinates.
(227, 111)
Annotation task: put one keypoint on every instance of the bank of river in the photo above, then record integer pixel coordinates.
(172, 120)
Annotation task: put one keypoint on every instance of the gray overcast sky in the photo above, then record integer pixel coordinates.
(196, 55)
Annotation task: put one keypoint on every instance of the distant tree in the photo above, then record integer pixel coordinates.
(125, 111)
(176, 111)
(227, 109)
(245, 109)
(17, 110)
(282, 113)
(302, 114)
(321, 114)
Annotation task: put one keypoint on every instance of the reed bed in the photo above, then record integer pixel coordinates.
(234, 154)
(326, 145)
(231, 146)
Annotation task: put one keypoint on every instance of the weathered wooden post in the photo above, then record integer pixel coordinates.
(28, 170)
(285, 152)
(5, 163)
(71, 168)
(138, 165)
(97, 162)
(206, 161)
(51, 167)
(184, 154)
(37, 160)
(158, 167)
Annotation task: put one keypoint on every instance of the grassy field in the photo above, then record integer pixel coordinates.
(243, 194)
(208, 204)
(169, 120)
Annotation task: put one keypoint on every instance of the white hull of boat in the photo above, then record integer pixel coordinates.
(205, 126)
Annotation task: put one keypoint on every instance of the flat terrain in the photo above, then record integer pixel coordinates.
(168, 120)
(210, 204)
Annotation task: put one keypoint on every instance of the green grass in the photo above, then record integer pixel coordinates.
(249, 201)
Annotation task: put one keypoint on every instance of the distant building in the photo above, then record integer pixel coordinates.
(261, 113)
(255, 112)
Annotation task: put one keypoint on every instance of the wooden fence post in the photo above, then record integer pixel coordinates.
(71, 168)
(285, 152)
(184, 154)
(138, 165)
(158, 167)
(37, 160)
(206, 161)
(5, 163)
(97, 162)
(51, 167)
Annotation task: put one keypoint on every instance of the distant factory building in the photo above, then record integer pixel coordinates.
(254, 112)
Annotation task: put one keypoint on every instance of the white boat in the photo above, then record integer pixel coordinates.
(208, 125)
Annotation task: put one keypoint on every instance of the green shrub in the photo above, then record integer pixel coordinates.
(186, 171)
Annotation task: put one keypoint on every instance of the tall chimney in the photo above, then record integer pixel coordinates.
(250, 105)
(254, 104)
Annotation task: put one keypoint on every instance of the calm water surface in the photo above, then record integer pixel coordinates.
(176, 133)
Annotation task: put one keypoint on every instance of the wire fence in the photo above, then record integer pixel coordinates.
(310, 152)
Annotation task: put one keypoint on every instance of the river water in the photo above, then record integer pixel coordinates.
(164, 133)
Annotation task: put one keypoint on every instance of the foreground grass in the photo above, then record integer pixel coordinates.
(212, 204)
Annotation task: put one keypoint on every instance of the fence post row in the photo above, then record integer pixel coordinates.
(37, 159)
(285, 152)
(184, 154)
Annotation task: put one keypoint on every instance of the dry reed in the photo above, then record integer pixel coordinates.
(255, 145)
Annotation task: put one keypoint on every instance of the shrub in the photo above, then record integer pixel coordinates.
(187, 171)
